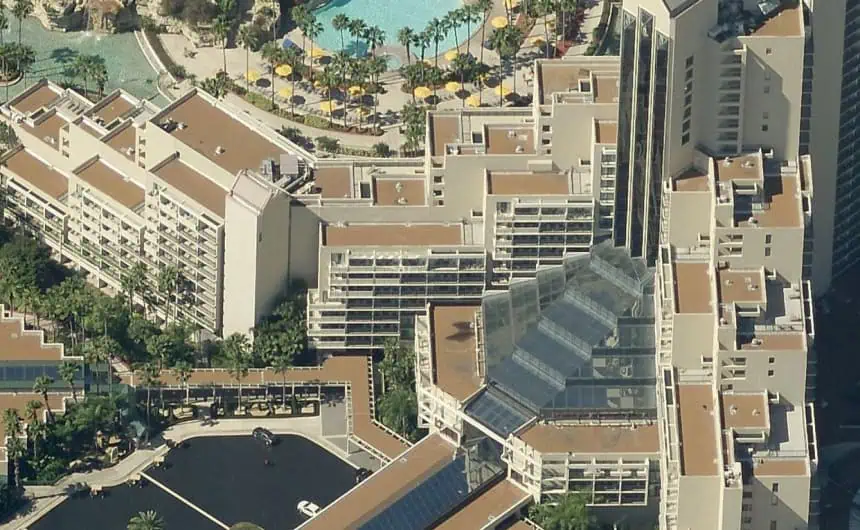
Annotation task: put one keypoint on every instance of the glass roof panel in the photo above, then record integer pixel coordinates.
(498, 412)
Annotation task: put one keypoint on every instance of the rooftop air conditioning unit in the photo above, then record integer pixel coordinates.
(401, 200)
(727, 161)
(219, 150)
(181, 125)
(519, 149)
(752, 221)
(756, 342)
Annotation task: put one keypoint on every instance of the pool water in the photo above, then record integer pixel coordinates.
(390, 16)
(127, 67)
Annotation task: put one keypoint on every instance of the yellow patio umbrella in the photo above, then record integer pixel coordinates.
(316, 53)
(428, 62)
(499, 22)
(286, 92)
(365, 111)
(453, 86)
(284, 70)
(317, 83)
(355, 90)
(502, 90)
(473, 101)
(252, 76)
(422, 92)
(512, 3)
(537, 40)
(328, 106)
(450, 55)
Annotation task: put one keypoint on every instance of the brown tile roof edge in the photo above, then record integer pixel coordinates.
(103, 177)
(14, 338)
(454, 355)
(38, 98)
(384, 487)
(781, 467)
(698, 432)
(393, 234)
(37, 173)
(352, 370)
(193, 184)
(496, 502)
(617, 439)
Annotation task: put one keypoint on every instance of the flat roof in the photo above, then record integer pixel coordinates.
(692, 180)
(48, 130)
(112, 108)
(19, 345)
(489, 506)
(509, 183)
(193, 184)
(742, 167)
(37, 173)
(692, 288)
(443, 130)
(781, 467)
(454, 350)
(334, 182)
(699, 441)
(605, 88)
(741, 286)
(208, 127)
(557, 76)
(35, 100)
(510, 140)
(787, 23)
(606, 132)
(108, 181)
(123, 141)
(399, 192)
(777, 341)
(616, 439)
(398, 235)
(746, 411)
(385, 487)
(342, 369)
(783, 199)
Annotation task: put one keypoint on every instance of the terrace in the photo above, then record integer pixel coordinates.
(692, 180)
(692, 288)
(123, 140)
(47, 128)
(398, 235)
(193, 184)
(40, 97)
(593, 439)
(454, 351)
(605, 132)
(443, 130)
(333, 182)
(509, 140)
(111, 108)
(544, 183)
(699, 440)
(398, 192)
(741, 287)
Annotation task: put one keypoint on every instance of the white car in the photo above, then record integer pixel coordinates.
(308, 509)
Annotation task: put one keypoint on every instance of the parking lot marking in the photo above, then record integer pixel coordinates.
(186, 501)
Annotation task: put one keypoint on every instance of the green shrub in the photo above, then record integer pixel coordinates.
(259, 101)
(381, 150)
(328, 144)
(177, 70)
(312, 120)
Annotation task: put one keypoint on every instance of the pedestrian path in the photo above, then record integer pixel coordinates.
(185, 501)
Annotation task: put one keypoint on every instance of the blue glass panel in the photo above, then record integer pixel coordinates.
(497, 412)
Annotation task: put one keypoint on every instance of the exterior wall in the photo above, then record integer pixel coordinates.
(789, 507)
(240, 267)
(272, 254)
(692, 511)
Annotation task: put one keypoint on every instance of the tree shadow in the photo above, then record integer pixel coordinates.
(63, 55)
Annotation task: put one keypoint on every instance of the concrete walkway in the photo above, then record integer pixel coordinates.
(45, 498)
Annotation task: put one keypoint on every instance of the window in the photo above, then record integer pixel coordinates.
(689, 62)
(771, 360)
(746, 507)
(768, 51)
(768, 239)
(775, 488)
(685, 127)
(688, 99)
(765, 116)
(685, 139)
(747, 520)
(773, 525)
(767, 252)
(764, 128)
(260, 237)
(688, 75)
(437, 179)
(747, 495)
(770, 373)
(767, 89)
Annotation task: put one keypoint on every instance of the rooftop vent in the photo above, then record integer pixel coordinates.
(519, 149)
(181, 125)
(401, 200)
(749, 163)
(49, 140)
(129, 151)
(752, 221)
(727, 161)
(733, 410)
(219, 150)
(398, 187)
(756, 342)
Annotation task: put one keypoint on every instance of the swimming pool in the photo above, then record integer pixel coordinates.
(390, 16)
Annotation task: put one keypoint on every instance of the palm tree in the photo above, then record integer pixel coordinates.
(41, 386)
(398, 409)
(148, 520)
(452, 21)
(133, 282)
(545, 8)
(248, 40)
(237, 350)
(329, 80)
(69, 373)
(94, 356)
(357, 30)
(25, 56)
(82, 67)
(406, 37)
(293, 58)
(437, 30)
(568, 512)
(31, 414)
(221, 29)
(274, 54)
(484, 7)
(375, 38)
(282, 365)
(300, 16)
(376, 66)
(565, 6)
(149, 376)
(312, 29)
(21, 9)
(168, 281)
(183, 370)
(100, 75)
(4, 25)
(505, 41)
(340, 23)
(15, 451)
